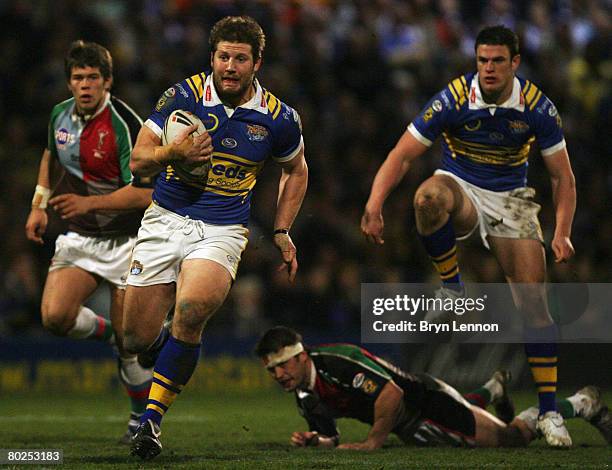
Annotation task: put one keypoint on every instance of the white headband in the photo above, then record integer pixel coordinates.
(283, 354)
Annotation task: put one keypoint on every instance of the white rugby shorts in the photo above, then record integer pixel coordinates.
(505, 214)
(107, 257)
(165, 239)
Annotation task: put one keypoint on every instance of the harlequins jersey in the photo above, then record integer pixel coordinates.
(486, 144)
(243, 138)
(95, 154)
(347, 383)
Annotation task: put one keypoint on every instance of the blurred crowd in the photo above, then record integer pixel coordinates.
(357, 72)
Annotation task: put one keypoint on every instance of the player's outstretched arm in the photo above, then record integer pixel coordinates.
(389, 175)
(385, 413)
(291, 190)
(564, 200)
(127, 198)
(36, 224)
(149, 156)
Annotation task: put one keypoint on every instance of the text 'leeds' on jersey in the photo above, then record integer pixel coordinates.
(485, 144)
(242, 138)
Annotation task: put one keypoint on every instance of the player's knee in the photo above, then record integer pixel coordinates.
(430, 202)
(134, 343)
(56, 322)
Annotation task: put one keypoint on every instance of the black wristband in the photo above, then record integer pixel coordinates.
(281, 230)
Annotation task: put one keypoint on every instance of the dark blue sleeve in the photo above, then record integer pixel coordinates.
(434, 117)
(178, 96)
(287, 128)
(547, 125)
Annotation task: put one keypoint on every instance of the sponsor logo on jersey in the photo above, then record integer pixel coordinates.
(428, 114)
(446, 100)
(369, 386)
(231, 259)
(181, 90)
(358, 380)
(170, 92)
(496, 136)
(63, 138)
(229, 143)
(552, 111)
(228, 171)
(518, 127)
(256, 132)
(136, 268)
(296, 118)
(473, 125)
(437, 106)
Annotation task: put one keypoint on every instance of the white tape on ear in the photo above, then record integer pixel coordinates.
(41, 197)
(283, 354)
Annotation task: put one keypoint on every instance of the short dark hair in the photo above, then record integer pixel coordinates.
(275, 339)
(238, 29)
(498, 35)
(88, 54)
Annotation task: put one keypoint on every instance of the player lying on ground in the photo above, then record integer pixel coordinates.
(346, 381)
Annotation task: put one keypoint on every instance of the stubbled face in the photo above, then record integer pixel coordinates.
(496, 72)
(292, 373)
(88, 87)
(233, 71)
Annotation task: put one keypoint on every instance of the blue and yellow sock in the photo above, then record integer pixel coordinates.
(441, 247)
(173, 369)
(542, 358)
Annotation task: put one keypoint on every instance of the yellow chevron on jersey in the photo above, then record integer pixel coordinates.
(480, 153)
(532, 94)
(196, 83)
(459, 89)
(274, 104)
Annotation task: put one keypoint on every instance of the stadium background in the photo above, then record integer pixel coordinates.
(357, 71)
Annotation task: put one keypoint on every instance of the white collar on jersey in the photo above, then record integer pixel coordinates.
(515, 101)
(256, 103)
(89, 117)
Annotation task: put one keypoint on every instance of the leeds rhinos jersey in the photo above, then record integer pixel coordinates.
(96, 155)
(242, 138)
(485, 144)
(347, 383)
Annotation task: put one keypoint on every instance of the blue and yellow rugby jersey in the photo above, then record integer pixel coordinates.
(486, 144)
(242, 138)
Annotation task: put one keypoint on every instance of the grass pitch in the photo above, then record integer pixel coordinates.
(249, 430)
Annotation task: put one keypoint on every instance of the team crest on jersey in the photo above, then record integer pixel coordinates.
(518, 127)
(63, 138)
(136, 268)
(256, 133)
(358, 380)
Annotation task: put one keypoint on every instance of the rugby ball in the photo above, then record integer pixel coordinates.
(175, 123)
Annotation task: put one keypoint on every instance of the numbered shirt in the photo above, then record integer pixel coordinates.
(243, 139)
(96, 154)
(484, 144)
